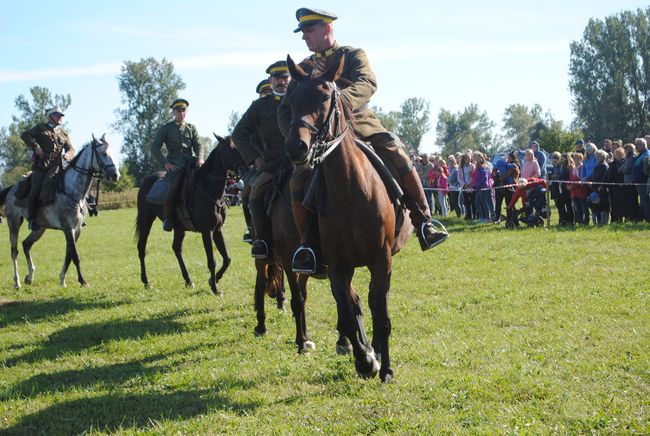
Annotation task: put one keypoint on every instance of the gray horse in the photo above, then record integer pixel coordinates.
(68, 211)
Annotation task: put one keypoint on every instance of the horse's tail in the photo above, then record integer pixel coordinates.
(275, 279)
(3, 195)
(142, 205)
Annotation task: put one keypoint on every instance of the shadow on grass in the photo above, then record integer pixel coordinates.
(36, 310)
(115, 412)
(77, 338)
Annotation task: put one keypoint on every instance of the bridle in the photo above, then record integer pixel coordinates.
(94, 156)
(226, 163)
(320, 146)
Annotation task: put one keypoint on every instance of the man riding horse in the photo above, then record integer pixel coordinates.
(357, 83)
(184, 151)
(47, 142)
(258, 139)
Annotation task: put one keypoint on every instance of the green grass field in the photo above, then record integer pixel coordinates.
(495, 331)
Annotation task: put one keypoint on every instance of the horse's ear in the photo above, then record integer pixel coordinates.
(296, 71)
(103, 139)
(94, 139)
(335, 70)
(219, 138)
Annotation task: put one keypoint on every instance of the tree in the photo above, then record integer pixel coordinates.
(233, 119)
(148, 87)
(414, 122)
(469, 129)
(13, 152)
(519, 122)
(609, 71)
(554, 137)
(389, 120)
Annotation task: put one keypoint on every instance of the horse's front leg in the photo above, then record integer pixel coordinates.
(177, 246)
(378, 302)
(209, 254)
(27, 248)
(298, 287)
(71, 237)
(220, 243)
(260, 287)
(14, 227)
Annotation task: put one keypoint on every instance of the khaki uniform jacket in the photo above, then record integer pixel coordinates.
(182, 143)
(357, 83)
(52, 140)
(257, 133)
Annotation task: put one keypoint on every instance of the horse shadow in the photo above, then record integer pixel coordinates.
(36, 310)
(77, 338)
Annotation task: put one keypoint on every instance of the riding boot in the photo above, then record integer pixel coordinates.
(170, 202)
(32, 204)
(420, 215)
(261, 248)
(248, 234)
(307, 258)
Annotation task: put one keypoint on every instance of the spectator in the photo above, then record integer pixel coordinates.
(580, 147)
(513, 170)
(530, 167)
(578, 191)
(442, 190)
(639, 177)
(482, 185)
(541, 158)
(562, 166)
(615, 177)
(465, 180)
(599, 197)
(423, 168)
(454, 188)
(630, 198)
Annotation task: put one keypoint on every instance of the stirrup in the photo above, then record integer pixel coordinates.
(168, 225)
(260, 249)
(305, 268)
(248, 236)
(440, 234)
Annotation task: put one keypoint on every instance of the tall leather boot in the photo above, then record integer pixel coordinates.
(248, 234)
(170, 202)
(32, 202)
(261, 248)
(306, 259)
(420, 215)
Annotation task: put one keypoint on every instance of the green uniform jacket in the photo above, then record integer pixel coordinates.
(357, 84)
(52, 140)
(182, 142)
(257, 134)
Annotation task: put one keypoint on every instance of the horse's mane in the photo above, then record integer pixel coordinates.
(76, 157)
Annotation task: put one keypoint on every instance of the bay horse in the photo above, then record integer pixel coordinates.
(206, 209)
(356, 218)
(68, 211)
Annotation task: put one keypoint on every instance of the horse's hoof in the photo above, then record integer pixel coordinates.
(148, 286)
(259, 333)
(386, 378)
(28, 280)
(344, 349)
(84, 284)
(17, 286)
(189, 285)
(309, 345)
(367, 367)
(281, 306)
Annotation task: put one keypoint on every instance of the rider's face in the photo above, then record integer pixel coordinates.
(279, 83)
(56, 119)
(316, 37)
(179, 114)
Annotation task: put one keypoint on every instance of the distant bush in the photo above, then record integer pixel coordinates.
(117, 199)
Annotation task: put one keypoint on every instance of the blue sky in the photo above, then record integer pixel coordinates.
(492, 53)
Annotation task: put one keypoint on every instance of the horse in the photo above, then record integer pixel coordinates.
(68, 211)
(269, 277)
(356, 218)
(206, 212)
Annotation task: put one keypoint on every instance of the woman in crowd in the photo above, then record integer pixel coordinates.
(441, 183)
(631, 200)
(530, 166)
(615, 176)
(454, 187)
(599, 197)
(562, 166)
(482, 185)
(578, 192)
(464, 176)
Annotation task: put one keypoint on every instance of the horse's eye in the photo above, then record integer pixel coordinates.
(326, 97)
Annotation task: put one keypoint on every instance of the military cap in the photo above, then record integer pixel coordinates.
(54, 110)
(179, 103)
(263, 86)
(278, 68)
(580, 142)
(307, 17)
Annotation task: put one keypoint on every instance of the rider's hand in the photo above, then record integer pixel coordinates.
(259, 162)
(170, 167)
(199, 162)
(68, 155)
(39, 152)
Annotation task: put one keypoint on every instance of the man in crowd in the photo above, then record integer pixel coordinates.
(46, 141)
(260, 142)
(639, 176)
(184, 151)
(357, 84)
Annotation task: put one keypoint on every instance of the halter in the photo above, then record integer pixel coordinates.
(320, 146)
(215, 179)
(95, 155)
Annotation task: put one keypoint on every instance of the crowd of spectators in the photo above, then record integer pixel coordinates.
(590, 184)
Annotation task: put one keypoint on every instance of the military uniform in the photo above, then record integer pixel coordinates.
(53, 141)
(255, 136)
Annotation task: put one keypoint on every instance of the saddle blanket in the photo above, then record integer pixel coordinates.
(158, 192)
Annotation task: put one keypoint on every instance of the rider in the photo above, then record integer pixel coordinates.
(264, 88)
(357, 83)
(183, 152)
(266, 150)
(47, 142)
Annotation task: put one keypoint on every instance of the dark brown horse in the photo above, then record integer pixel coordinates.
(355, 215)
(269, 275)
(205, 207)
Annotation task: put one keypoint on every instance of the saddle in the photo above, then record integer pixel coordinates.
(281, 177)
(47, 194)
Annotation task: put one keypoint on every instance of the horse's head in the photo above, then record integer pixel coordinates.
(316, 109)
(230, 157)
(101, 160)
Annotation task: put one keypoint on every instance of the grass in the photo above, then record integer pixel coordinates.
(495, 331)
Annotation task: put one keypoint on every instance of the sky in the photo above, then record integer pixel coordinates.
(450, 53)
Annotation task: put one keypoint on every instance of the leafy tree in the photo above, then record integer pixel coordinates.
(609, 72)
(468, 129)
(148, 87)
(414, 122)
(554, 137)
(390, 120)
(125, 182)
(233, 119)
(13, 152)
(519, 122)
